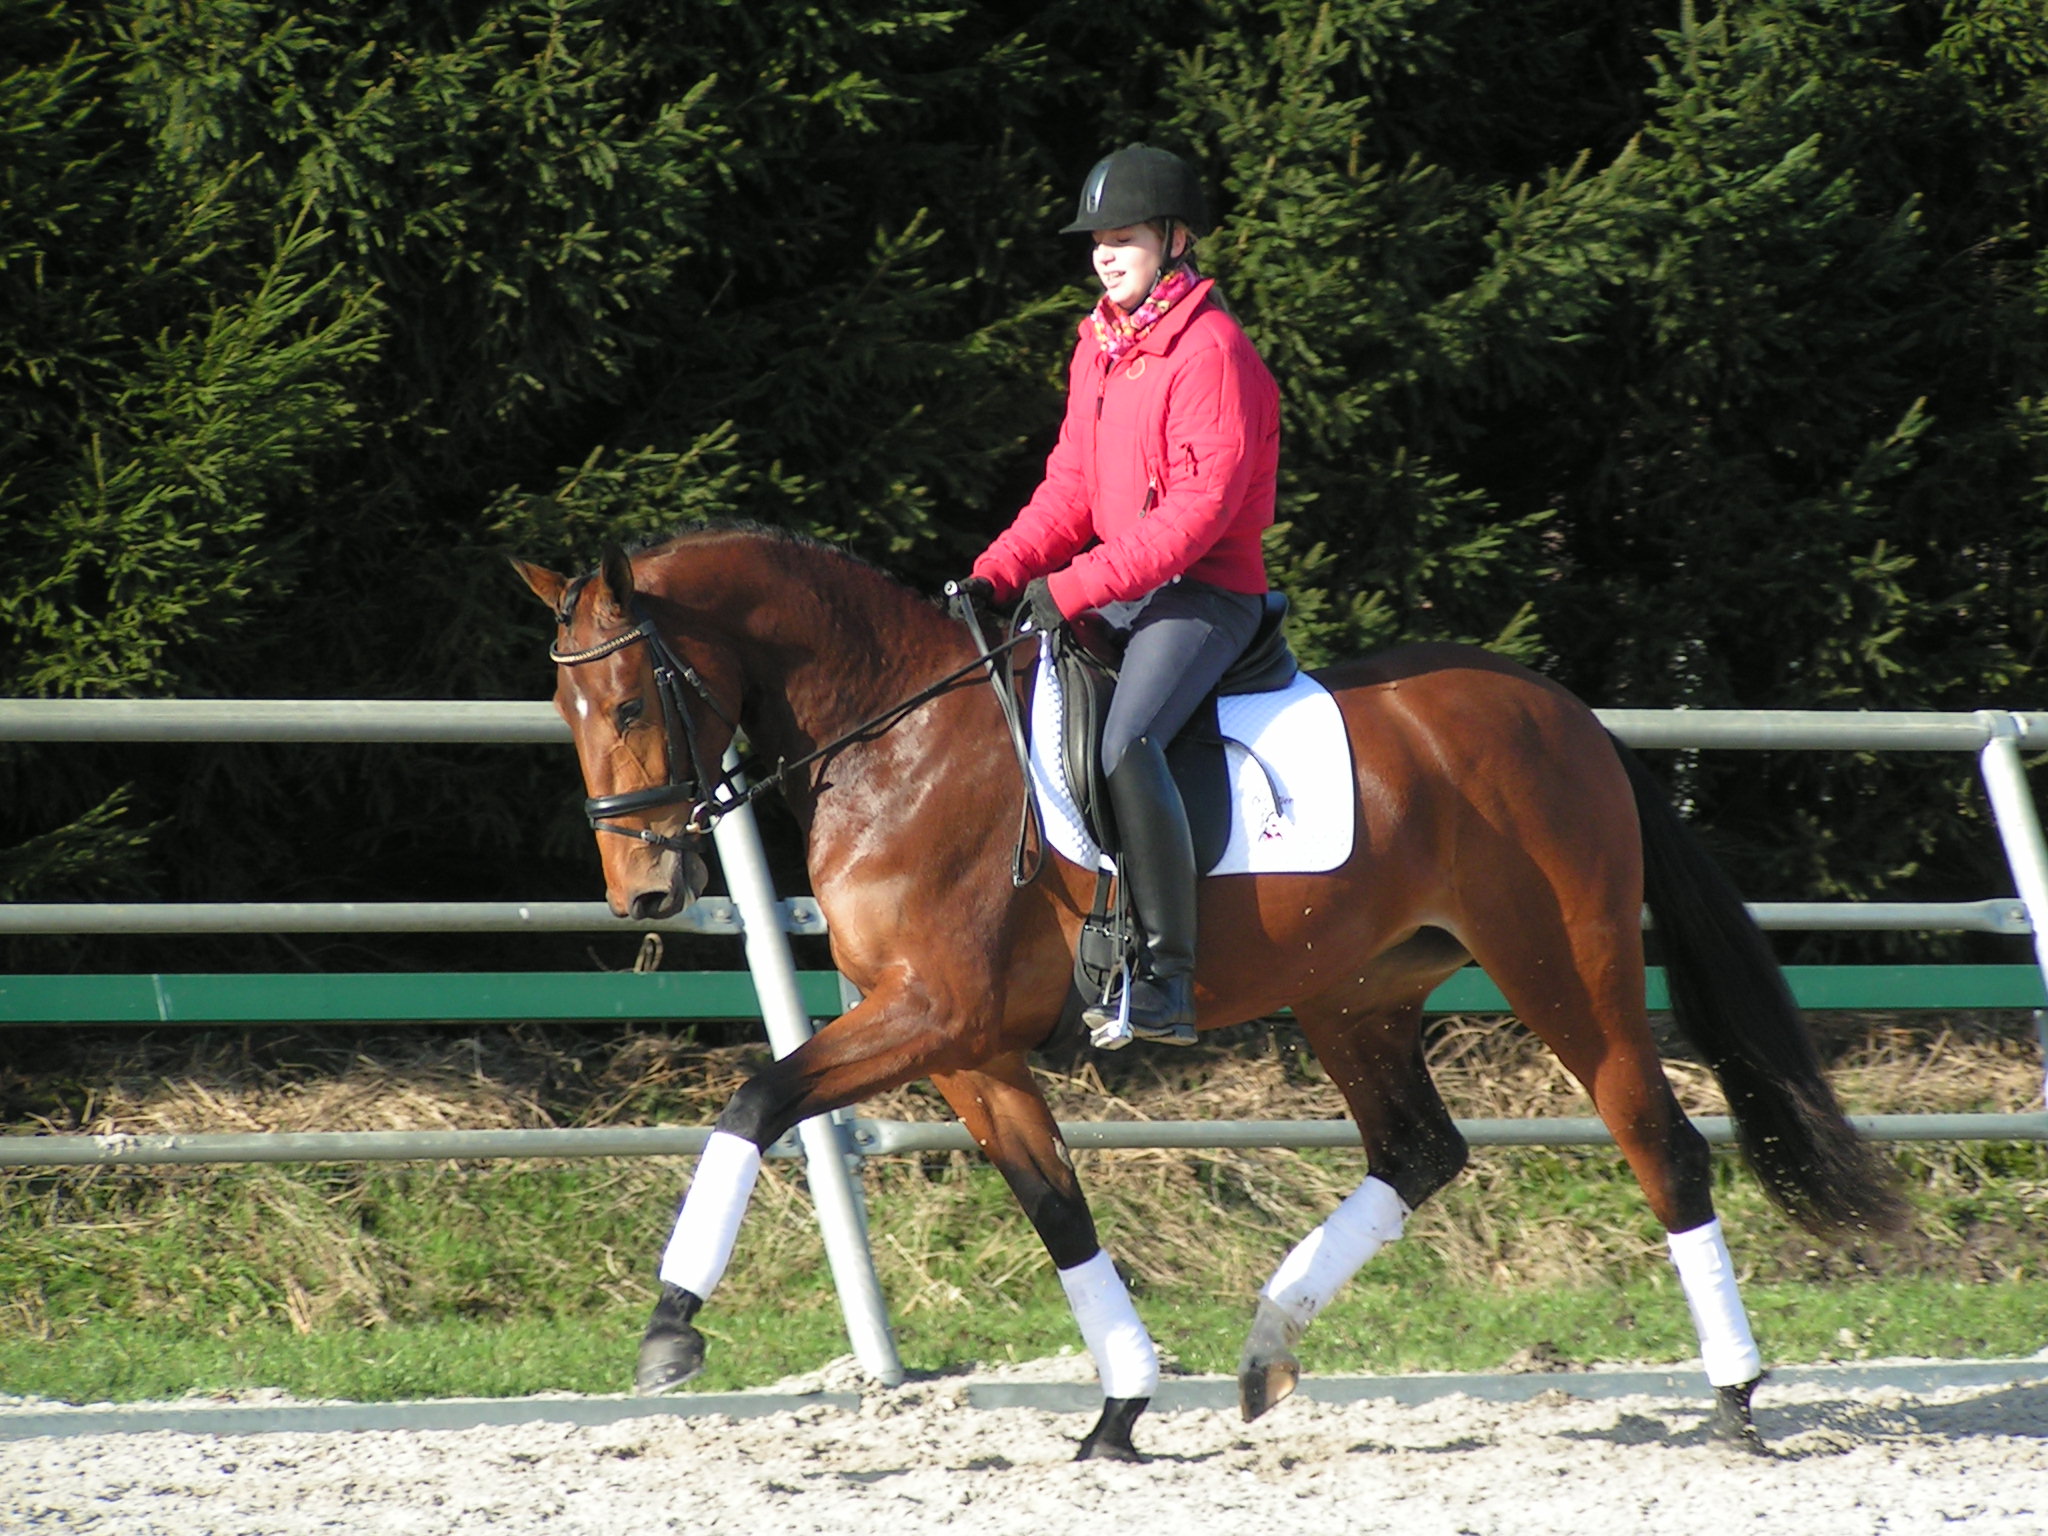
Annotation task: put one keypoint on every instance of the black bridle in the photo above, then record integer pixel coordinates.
(712, 799)
(694, 786)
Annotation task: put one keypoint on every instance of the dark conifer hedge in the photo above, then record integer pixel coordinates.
(1696, 358)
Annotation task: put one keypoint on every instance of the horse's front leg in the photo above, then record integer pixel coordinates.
(1002, 1108)
(883, 1043)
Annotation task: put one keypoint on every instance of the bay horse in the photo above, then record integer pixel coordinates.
(1497, 823)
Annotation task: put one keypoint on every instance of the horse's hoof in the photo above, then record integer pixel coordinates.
(1732, 1424)
(1267, 1372)
(667, 1360)
(1260, 1387)
(671, 1351)
(1110, 1439)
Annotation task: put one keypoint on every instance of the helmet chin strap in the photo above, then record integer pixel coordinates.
(1169, 262)
(1170, 227)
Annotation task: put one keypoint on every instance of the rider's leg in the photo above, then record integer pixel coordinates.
(1156, 861)
(1182, 643)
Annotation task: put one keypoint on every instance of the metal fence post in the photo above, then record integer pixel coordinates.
(841, 1214)
(2019, 827)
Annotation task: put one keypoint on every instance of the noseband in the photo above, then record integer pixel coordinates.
(693, 787)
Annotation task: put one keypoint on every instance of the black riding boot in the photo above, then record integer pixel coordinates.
(1157, 864)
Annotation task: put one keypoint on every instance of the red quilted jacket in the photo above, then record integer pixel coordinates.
(1165, 467)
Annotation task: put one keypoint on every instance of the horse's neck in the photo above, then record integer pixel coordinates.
(828, 646)
(860, 660)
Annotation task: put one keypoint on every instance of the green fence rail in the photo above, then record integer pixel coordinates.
(540, 996)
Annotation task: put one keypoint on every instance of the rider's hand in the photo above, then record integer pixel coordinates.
(978, 590)
(1038, 603)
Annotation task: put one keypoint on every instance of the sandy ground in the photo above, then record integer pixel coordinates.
(1846, 1460)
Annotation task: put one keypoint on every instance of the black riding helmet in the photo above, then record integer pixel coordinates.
(1136, 184)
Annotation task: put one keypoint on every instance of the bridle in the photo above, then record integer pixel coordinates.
(703, 795)
(712, 799)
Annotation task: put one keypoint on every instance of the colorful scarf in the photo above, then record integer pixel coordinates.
(1116, 332)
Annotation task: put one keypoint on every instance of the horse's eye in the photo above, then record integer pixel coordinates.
(627, 713)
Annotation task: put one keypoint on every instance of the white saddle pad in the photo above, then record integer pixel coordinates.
(1295, 806)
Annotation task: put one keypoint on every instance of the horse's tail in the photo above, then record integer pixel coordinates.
(1732, 1003)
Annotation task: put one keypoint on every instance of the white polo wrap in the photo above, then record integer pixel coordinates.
(1708, 1277)
(709, 1222)
(1124, 1357)
(1370, 1217)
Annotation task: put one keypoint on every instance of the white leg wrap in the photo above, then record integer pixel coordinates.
(1370, 1218)
(709, 1223)
(1708, 1277)
(1110, 1327)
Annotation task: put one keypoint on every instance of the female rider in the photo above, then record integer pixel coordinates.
(1150, 512)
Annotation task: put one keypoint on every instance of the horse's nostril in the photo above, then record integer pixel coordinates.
(650, 904)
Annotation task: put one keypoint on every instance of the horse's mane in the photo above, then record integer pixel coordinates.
(769, 533)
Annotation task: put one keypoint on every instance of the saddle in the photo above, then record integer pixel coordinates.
(1086, 656)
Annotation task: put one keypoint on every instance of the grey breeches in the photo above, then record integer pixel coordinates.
(1181, 643)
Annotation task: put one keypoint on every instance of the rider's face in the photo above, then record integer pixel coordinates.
(1128, 262)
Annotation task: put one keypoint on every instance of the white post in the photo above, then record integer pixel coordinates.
(841, 1215)
(2019, 826)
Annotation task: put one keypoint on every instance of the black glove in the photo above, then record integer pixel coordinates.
(977, 590)
(1038, 603)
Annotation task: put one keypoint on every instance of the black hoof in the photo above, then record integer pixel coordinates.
(1732, 1424)
(671, 1351)
(1110, 1439)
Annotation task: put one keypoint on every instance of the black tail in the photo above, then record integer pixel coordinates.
(1731, 1001)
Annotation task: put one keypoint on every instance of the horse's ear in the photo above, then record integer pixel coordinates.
(546, 585)
(615, 572)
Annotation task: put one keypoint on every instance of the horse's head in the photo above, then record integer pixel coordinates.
(649, 728)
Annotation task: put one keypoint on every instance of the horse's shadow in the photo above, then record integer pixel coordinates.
(1832, 1427)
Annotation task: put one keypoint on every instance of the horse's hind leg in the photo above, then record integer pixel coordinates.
(1585, 1001)
(1003, 1110)
(1373, 1053)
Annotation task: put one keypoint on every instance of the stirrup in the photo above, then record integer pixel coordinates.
(1108, 1021)
(1114, 1026)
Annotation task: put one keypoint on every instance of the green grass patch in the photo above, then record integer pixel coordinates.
(392, 1282)
(1374, 1329)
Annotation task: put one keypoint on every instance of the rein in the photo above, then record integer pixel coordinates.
(875, 724)
(1030, 821)
(713, 799)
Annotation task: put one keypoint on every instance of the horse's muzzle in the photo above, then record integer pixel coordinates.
(678, 878)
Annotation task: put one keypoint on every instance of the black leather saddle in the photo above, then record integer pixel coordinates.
(1087, 656)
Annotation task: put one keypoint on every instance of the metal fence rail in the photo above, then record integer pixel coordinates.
(1996, 735)
(717, 915)
(508, 721)
(883, 1138)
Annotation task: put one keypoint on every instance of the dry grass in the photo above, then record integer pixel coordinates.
(1486, 1067)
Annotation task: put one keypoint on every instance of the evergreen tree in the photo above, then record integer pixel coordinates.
(1692, 355)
